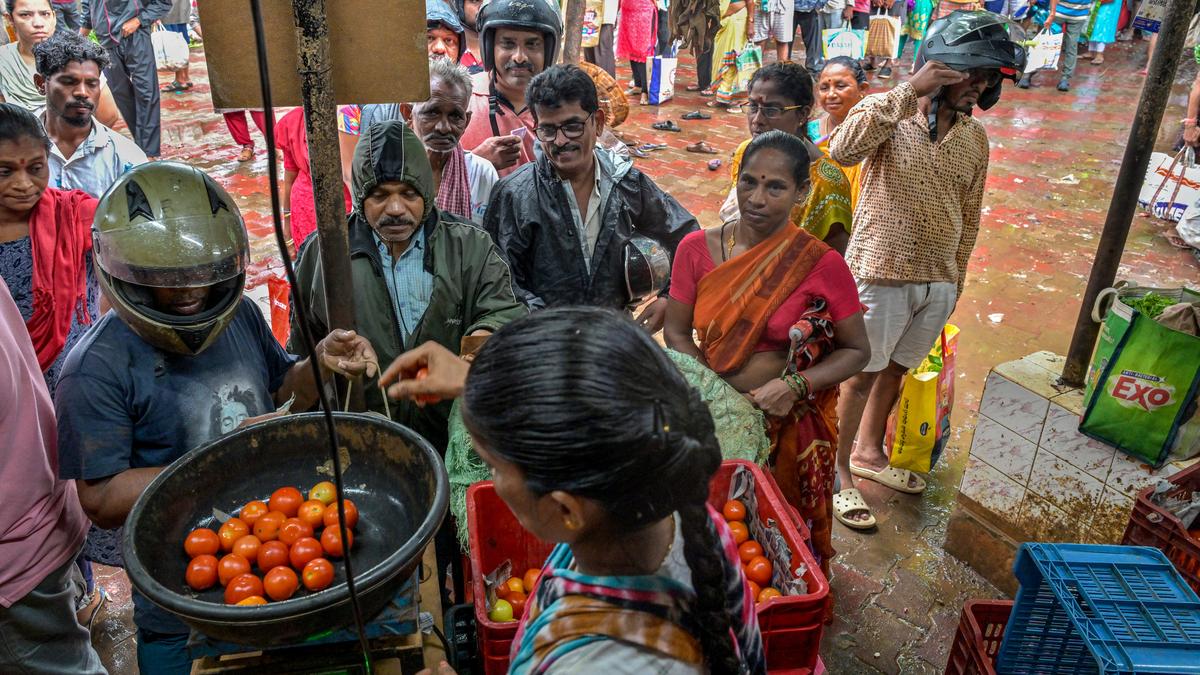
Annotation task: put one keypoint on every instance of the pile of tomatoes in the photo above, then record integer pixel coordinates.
(755, 564)
(280, 538)
(511, 596)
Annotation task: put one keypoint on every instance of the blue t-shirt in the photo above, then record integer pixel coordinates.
(123, 404)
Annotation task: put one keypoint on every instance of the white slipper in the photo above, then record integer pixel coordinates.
(849, 500)
(897, 479)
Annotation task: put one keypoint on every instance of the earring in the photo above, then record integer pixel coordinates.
(571, 523)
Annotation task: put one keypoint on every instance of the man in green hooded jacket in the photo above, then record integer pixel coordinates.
(419, 275)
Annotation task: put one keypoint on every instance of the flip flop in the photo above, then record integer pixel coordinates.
(714, 164)
(896, 479)
(692, 87)
(701, 147)
(651, 147)
(696, 115)
(849, 500)
(666, 125)
(638, 152)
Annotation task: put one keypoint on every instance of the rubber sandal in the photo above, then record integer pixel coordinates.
(692, 87)
(174, 87)
(666, 125)
(849, 500)
(714, 164)
(696, 115)
(651, 147)
(896, 479)
(633, 91)
(639, 153)
(95, 611)
(701, 147)
(247, 153)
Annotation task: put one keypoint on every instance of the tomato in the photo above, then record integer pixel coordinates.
(739, 531)
(242, 587)
(421, 374)
(252, 601)
(202, 572)
(748, 550)
(272, 554)
(202, 541)
(317, 574)
(304, 550)
(758, 570)
(734, 510)
(281, 583)
(267, 527)
(331, 515)
(286, 500)
(324, 492)
(293, 530)
(230, 566)
(755, 589)
(331, 541)
(502, 612)
(517, 600)
(252, 511)
(768, 593)
(231, 531)
(247, 547)
(312, 512)
(502, 590)
(530, 579)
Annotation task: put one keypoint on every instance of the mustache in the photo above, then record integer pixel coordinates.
(396, 221)
(449, 138)
(524, 65)
(559, 149)
(77, 103)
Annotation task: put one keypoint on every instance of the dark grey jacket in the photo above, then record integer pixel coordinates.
(530, 219)
(107, 16)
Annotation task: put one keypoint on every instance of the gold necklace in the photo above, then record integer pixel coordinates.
(732, 241)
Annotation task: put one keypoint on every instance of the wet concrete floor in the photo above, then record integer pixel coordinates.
(1054, 159)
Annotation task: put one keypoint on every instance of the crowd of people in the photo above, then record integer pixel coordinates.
(500, 208)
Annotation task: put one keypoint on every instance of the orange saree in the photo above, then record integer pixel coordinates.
(733, 303)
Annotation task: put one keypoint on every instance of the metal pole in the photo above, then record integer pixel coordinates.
(573, 31)
(1142, 133)
(320, 115)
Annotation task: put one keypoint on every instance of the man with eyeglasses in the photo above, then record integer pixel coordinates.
(564, 222)
(925, 161)
(780, 99)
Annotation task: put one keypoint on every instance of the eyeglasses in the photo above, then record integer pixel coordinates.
(546, 133)
(989, 76)
(769, 111)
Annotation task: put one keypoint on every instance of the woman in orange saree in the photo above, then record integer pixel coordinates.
(778, 317)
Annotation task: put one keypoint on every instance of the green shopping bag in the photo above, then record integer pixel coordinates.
(1142, 389)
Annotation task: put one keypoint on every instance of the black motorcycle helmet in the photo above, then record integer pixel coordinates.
(537, 15)
(975, 39)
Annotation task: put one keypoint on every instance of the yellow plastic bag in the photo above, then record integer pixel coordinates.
(920, 425)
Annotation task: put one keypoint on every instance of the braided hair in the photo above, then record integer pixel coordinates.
(583, 401)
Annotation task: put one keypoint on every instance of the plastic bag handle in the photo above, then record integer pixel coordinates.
(945, 350)
(1104, 300)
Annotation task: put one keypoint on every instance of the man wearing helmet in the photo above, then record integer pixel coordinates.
(924, 167)
(182, 351)
(518, 39)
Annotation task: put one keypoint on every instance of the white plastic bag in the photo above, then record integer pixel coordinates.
(1172, 184)
(170, 49)
(1188, 228)
(1044, 52)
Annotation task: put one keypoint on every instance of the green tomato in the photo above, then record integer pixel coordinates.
(502, 612)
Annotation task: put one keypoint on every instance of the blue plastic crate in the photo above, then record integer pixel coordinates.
(1111, 610)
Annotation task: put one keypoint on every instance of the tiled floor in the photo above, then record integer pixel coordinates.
(1054, 159)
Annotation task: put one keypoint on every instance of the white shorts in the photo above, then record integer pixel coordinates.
(904, 320)
(776, 25)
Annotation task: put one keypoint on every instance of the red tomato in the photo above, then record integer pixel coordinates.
(331, 515)
(312, 512)
(247, 547)
(739, 531)
(281, 583)
(734, 510)
(515, 585)
(293, 530)
(252, 601)
(758, 570)
(749, 550)
(241, 587)
(272, 554)
(331, 541)
(230, 566)
(317, 574)
(304, 550)
(231, 531)
(286, 500)
(267, 527)
(517, 600)
(530, 579)
(202, 572)
(768, 593)
(324, 492)
(755, 589)
(202, 541)
(252, 511)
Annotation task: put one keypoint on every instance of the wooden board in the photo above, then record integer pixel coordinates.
(377, 47)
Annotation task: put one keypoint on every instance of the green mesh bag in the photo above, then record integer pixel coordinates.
(740, 427)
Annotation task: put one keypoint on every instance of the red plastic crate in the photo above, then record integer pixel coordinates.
(978, 639)
(1151, 525)
(791, 625)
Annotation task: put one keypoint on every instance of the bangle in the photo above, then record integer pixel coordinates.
(789, 381)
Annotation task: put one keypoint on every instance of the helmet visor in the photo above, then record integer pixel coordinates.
(980, 27)
(178, 253)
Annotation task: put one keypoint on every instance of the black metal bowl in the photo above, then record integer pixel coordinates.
(395, 478)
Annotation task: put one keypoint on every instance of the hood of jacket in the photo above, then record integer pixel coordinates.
(389, 152)
(440, 11)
